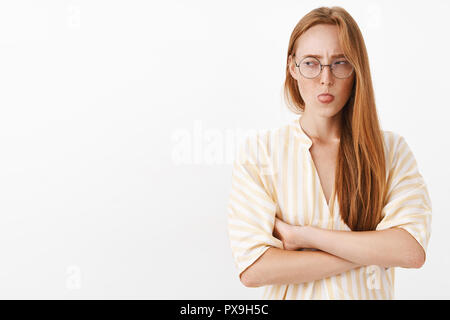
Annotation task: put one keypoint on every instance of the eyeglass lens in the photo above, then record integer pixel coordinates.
(310, 67)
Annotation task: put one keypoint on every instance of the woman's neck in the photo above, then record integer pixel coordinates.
(322, 129)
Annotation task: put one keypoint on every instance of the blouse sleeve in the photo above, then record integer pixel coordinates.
(408, 204)
(251, 209)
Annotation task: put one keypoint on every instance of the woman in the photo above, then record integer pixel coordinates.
(328, 205)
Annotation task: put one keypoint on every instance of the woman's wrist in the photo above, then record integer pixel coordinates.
(292, 238)
(308, 236)
(302, 237)
(295, 237)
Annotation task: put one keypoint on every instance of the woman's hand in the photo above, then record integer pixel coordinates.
(293, 237)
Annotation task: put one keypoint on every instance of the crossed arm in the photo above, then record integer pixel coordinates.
(339, 251)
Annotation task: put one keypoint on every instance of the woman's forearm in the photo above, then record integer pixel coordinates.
(277, 266)
(388, 248)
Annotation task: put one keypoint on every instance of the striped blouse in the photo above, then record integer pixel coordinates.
(274, 175)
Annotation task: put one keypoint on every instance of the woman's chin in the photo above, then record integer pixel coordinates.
(329, 110)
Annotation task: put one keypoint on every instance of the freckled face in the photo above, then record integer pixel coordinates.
(321, 40)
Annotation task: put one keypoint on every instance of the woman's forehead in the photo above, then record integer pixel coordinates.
(320, 40)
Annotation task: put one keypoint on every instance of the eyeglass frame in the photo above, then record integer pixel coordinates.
(321, 68)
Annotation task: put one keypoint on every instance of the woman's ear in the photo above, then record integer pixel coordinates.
(292, 67)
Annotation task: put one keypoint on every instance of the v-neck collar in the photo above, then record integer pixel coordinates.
(306, 142)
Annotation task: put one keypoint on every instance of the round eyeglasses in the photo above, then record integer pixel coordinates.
(310, 67)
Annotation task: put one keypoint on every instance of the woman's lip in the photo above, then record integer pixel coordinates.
(325, 94)
(325, 97)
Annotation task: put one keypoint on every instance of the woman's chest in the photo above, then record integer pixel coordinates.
(305, 189)
(324, 164)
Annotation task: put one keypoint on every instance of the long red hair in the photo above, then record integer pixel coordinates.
(360, 179)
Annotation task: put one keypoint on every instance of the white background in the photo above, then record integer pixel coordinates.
(118, 126)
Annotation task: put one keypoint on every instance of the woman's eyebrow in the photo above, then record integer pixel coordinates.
(339, 55)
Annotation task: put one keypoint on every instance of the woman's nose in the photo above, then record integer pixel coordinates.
(326, 76)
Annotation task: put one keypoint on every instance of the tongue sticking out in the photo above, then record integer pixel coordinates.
(326, 98)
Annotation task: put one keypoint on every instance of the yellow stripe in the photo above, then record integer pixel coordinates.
(412, 186)
(318, 289)
(270, 292)
(331, 206)
(406, 172)
(398, 207)
(285, 172)
(266, 293)
(348, 277)
(276, 292)
(295, 291)
(340, 288)
(253, 166)
(306, 286)
(391, 141)
(358, 282)
(295, 184)
(313, 193)
(256, 204)
(364, 290)
(319, 197)
(275, 163)
(392, 273)
(305, 198)
(251, 230)
(329, 288)
(246, 185)
(382, 285)
(252, 210)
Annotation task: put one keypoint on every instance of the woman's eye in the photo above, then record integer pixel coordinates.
(341, 62)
